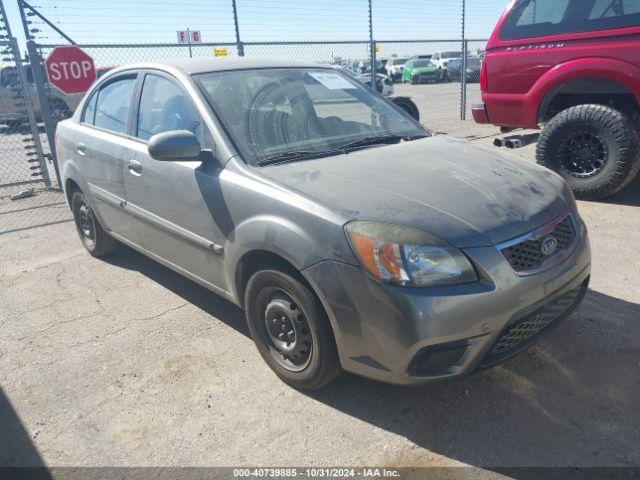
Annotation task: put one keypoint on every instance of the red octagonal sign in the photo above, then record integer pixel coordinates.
(70, 69)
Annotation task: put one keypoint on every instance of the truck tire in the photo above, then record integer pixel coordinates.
(595, 148)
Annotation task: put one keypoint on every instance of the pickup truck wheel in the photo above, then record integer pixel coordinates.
(595, 148)
(94, 238)
(291, 330)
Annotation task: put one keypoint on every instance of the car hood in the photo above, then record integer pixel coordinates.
(466, 195)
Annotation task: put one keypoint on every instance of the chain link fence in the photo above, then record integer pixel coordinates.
(29, 194)
(27, 159)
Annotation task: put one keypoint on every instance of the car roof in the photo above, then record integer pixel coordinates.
(204, 65)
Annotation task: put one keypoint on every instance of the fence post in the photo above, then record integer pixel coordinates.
(463, 72)
(43, 98)
(240, 45)
(372, 48)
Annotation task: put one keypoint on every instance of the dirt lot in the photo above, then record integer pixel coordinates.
(120, 362)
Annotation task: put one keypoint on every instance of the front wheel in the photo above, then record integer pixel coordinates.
(595, 148)
(291, 330)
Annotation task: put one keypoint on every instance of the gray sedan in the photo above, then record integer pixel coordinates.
(353, 238)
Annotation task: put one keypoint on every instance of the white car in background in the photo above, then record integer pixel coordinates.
(384, 84)
(442, 59)
(394, 67)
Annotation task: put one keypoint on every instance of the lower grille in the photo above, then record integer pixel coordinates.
(518, 335)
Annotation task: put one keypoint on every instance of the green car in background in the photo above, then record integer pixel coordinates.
(420, 71)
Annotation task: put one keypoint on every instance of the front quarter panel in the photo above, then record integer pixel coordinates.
(263, 215)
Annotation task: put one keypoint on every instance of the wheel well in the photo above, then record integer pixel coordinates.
(70, 187)
(588, 90)
(256, 260)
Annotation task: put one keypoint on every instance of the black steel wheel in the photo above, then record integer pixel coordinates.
(288, 331)
(291, 329)
(595, 148)
(583, 153)
(94, 238)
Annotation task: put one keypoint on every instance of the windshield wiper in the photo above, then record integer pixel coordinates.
(379, 140)
(294, 155)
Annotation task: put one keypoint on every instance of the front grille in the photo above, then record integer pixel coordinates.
(518, 334)
(528, 255)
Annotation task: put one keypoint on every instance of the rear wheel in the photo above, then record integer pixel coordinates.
(594, 147)
(291, 330)
(94, 238)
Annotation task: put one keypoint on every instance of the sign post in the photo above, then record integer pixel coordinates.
(189, 37)
(70, 69)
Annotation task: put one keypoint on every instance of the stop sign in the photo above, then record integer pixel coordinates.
(70, 69)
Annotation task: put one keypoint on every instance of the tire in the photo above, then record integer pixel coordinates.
(595, 148)
(94, 238)
(272, 296)
(408, 106)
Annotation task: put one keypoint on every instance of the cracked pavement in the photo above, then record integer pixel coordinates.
(121, 362)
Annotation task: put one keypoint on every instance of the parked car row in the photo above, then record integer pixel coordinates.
(437, 67)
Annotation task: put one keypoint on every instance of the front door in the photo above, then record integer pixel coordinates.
(173, 203)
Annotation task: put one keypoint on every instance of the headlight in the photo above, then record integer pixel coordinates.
(408, 257)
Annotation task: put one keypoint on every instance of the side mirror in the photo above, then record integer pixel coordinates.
(174, 146)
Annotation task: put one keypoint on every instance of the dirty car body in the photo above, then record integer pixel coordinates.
(432, 258)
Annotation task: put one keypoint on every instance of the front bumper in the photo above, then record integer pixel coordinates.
(416, 336)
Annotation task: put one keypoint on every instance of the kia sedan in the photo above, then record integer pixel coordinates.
(353, 238)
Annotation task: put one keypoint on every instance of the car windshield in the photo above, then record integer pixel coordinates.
(276, 112)
(400, 61)
(451, 54)
(421, 63)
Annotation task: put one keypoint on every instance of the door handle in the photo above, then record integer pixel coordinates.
(135, 168)
(81, 148)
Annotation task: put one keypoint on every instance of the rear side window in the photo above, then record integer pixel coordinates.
(89, 114)
(113, 105)
(164, 106)
(538, 18)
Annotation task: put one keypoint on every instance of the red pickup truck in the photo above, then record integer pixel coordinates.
(571, 67)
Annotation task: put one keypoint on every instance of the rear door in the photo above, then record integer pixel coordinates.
(99, 150)
(173, 204)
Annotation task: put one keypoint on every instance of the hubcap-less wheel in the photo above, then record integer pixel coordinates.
(288, 331)
(86, 223)
(583, 154)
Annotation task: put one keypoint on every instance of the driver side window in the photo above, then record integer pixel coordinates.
(164, 106)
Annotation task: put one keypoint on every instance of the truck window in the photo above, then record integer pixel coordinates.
(538, 18)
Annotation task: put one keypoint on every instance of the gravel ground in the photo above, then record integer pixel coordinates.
(121, 362)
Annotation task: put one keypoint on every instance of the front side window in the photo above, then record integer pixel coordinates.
(537, 18)
(113, 105)
(275, 111)
(164, 106)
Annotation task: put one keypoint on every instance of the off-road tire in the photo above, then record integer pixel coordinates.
(613, 128)
(99, 243)
(323, 365)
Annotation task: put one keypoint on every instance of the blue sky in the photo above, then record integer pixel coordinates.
(148, 21)
(119, 21)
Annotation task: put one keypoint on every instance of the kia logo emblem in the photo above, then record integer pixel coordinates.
(549, 246)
